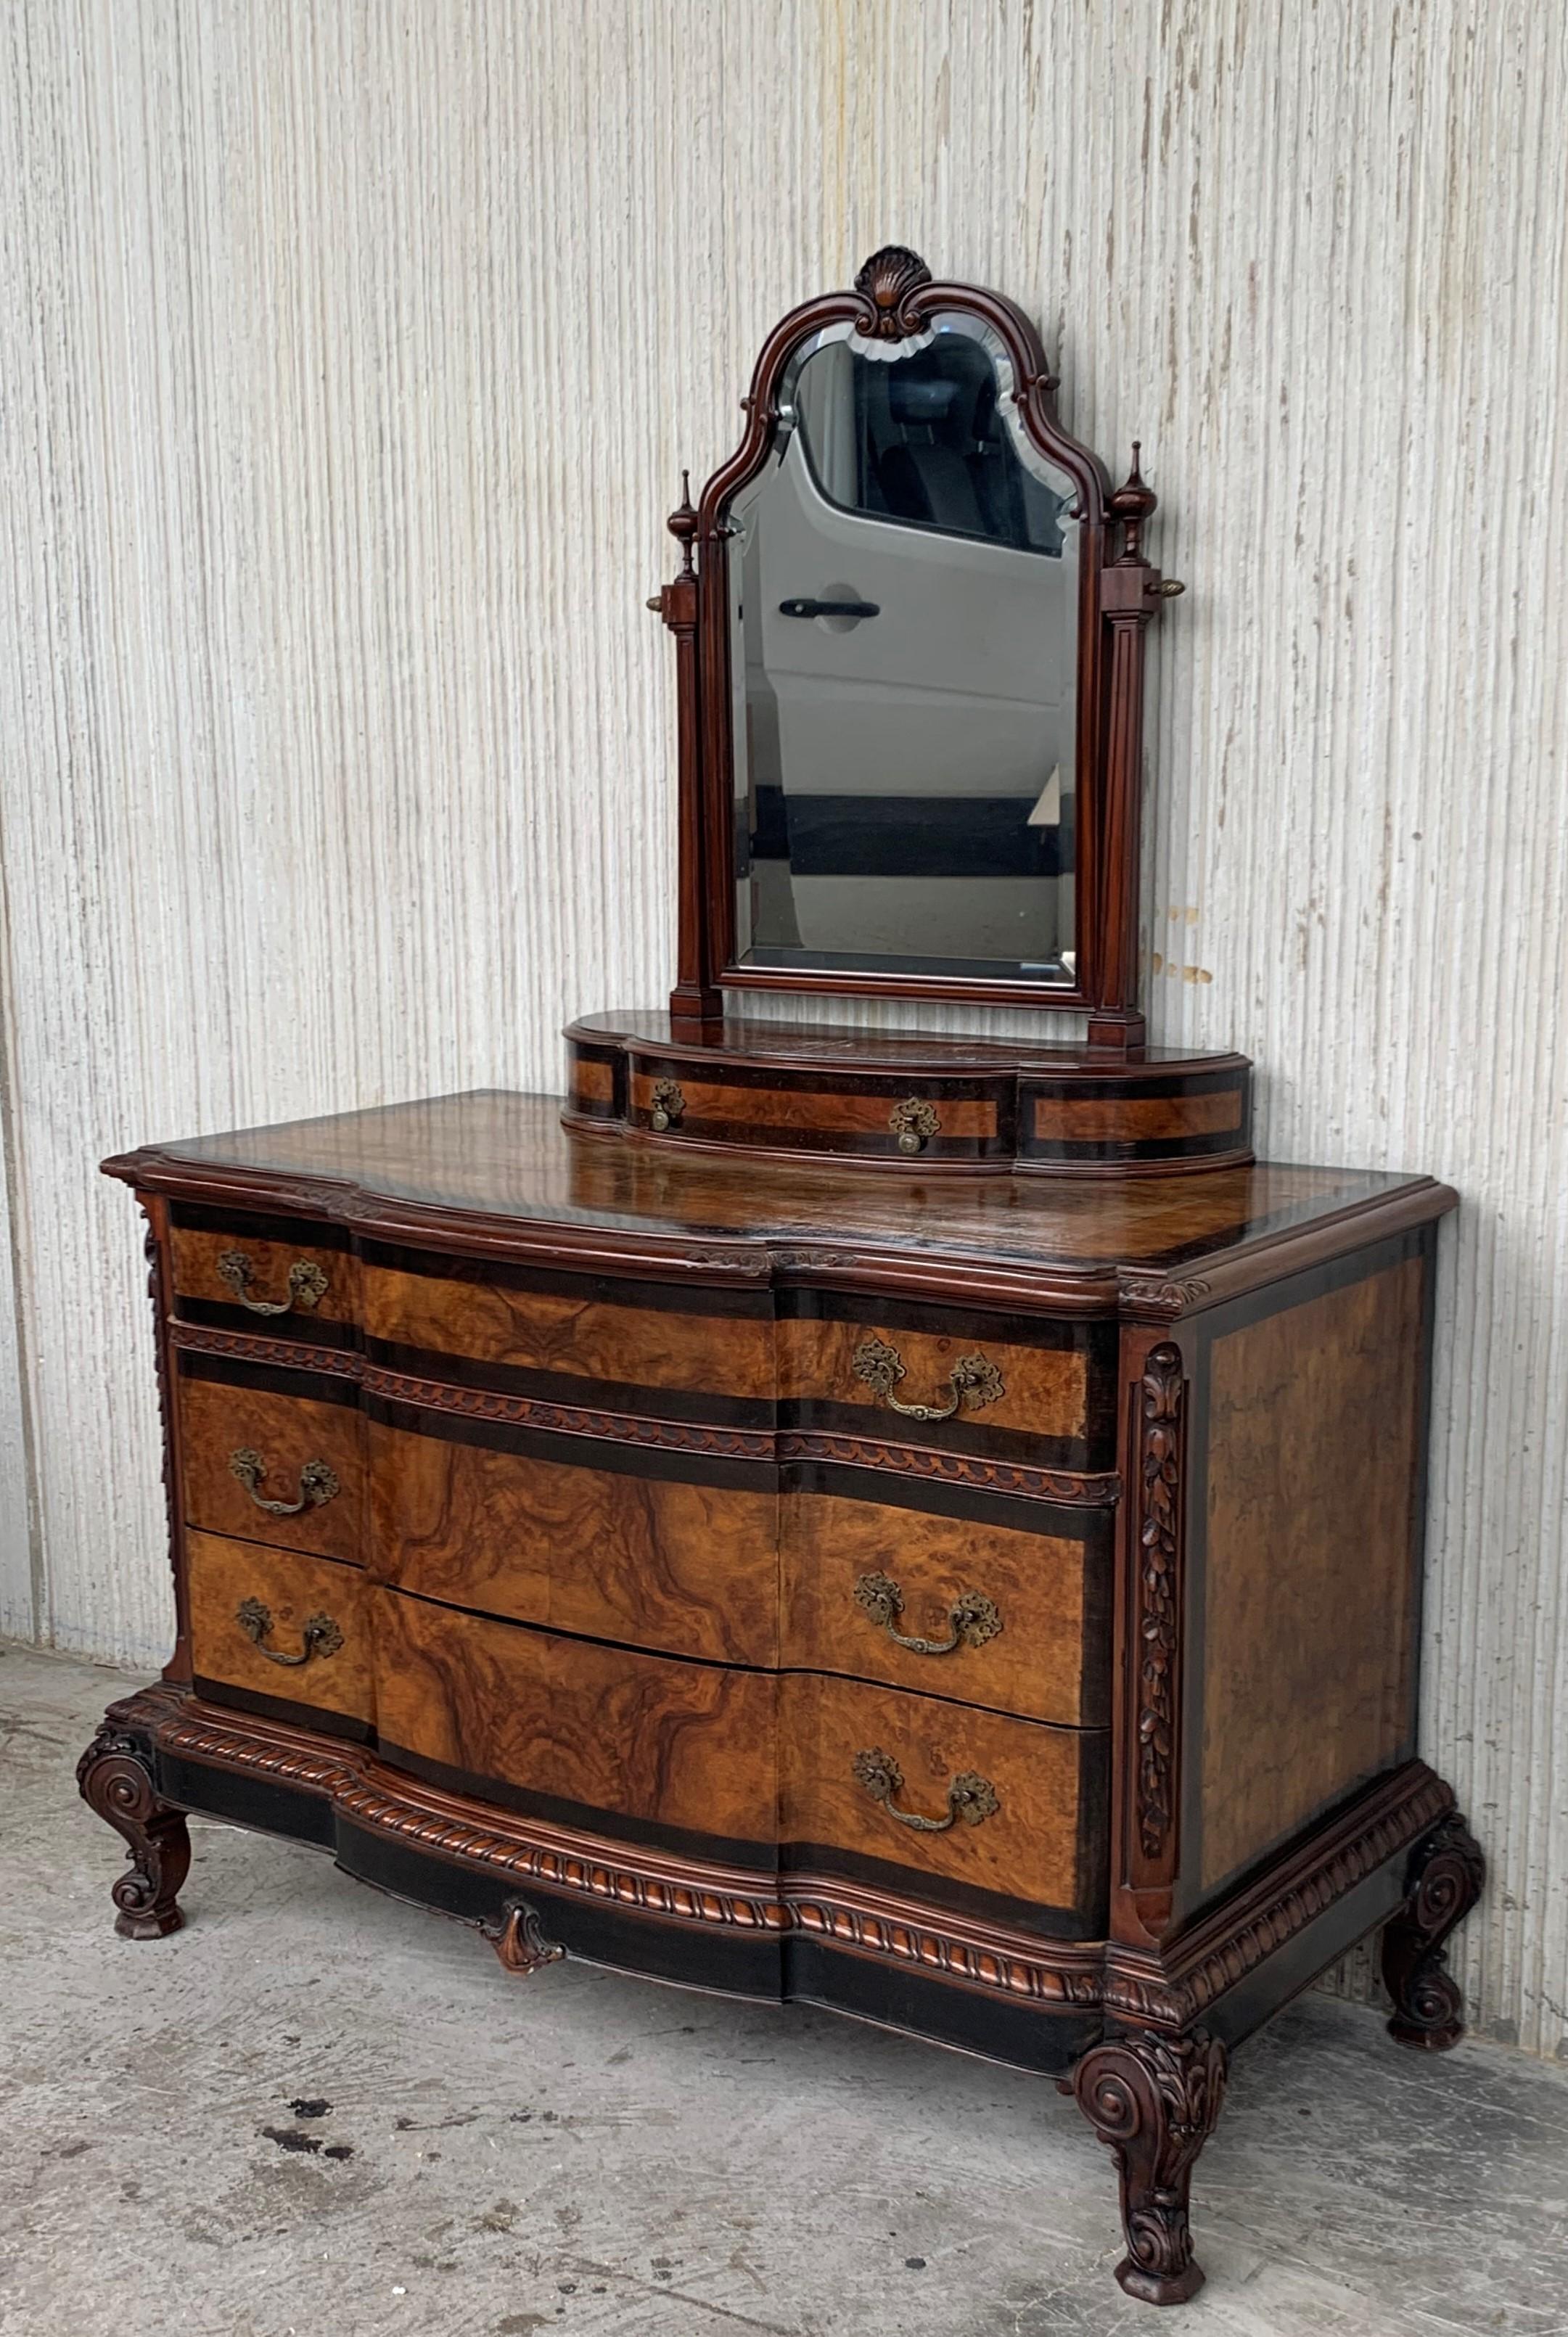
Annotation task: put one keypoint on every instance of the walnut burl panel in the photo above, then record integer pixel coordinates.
(196, 1275)
(1316, 1423)
(218, 1419)
(293, 1589)
(688, 1746)
(1050, 1659)
(588, 1338)
(1047, 1388)
(612, 1554)
(1135, 1119)
(1028, 1849)
(805, 1114)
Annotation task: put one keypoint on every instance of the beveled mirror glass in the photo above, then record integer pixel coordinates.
(904, 612)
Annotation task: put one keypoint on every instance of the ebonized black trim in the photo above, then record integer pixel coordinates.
(575, 1388)
(267, 1379)
(599, 1289)
(250, 1225)
(283, 1707)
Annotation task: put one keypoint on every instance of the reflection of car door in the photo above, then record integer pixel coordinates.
(959, 686)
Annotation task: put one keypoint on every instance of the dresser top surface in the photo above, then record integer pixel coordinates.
(492, 1159)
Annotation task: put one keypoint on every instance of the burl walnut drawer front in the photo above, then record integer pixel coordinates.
(1041, 1392)
(682, 1354)
(598, 1543)
(279, 1276)
(961, 1605)
(268, 1466)
(993, 1804)
(275, 1623)
(605, 1737)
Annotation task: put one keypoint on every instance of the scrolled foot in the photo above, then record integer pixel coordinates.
(115, 1778)
(1448, 1871)
(1155, 2101)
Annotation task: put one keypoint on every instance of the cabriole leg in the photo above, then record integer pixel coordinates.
(115, 1777)
(1155, 2101)
(1446, 1873)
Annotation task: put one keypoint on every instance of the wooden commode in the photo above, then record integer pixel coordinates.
(926, 1525)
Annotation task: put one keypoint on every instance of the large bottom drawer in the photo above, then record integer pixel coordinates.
(745, 1766)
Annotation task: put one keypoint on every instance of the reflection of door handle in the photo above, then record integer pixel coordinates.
(829, 609)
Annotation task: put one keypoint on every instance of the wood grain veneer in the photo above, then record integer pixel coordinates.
(614, 1554)
(682, 1746)
(574, 1333)
(1316, 1428)
(196, 1255)
(1029, 1850)
(1049, 1661)
(224, 1573)
(1046, 1389)
(218, 1418)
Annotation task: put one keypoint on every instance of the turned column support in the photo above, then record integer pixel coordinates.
(115, 1778)
(1446, 1876)
(1154, 2101)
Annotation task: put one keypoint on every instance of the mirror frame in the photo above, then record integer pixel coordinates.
(894, 296)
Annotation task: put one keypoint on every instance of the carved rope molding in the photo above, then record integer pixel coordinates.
(1069, 1979)
(1158, 1527)
(1088, 1490)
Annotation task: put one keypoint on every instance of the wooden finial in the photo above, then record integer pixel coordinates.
(683, 524)
(1133, 504)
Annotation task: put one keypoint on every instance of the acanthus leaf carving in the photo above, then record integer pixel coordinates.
(1158, 1531)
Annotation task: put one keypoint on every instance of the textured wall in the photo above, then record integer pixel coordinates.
(349, 353)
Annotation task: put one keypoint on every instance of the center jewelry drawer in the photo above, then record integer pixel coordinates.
(276, 1624)
(263, 1460)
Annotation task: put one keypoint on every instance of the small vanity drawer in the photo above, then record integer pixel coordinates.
(1001, 1806)
(630, 1346)
(865, 1118)
(998, 1615)
(610, 1552)
(600, 1738)
(275, 1623)
(266, 1467)
(1041, 1391)
(289, 1279)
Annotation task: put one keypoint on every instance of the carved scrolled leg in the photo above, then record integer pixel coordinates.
(1155, 2101)
(1448, 1871)
(519, 1940)
(116, 1780)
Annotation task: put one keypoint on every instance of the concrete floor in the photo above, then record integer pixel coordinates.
(593, 2154)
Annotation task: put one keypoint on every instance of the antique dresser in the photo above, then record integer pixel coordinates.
(925, 1525)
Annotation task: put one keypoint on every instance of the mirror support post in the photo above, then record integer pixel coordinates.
(696, 1002)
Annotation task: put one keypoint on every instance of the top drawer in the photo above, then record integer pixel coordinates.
(291, 1276)
(680, 1351)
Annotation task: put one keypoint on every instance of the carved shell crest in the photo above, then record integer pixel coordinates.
(884, 283)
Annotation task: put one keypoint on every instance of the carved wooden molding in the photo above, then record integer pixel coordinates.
(1158, 1527)
(1089, 1491)
(1155, 2101)
(1245, 1929)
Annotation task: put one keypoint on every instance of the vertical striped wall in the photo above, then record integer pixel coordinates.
(349, 353)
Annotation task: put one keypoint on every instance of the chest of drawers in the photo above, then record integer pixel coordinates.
(987, 1610)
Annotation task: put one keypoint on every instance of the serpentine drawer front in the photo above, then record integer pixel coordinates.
(273, 1625)
(293, 1278)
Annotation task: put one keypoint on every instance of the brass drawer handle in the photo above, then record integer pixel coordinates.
(914, 1123)
(320, 1633)
(307, 1285)
(970, 1797)
(972, 1618)
(667, 1106)
(317, 1483)
(972, 1379)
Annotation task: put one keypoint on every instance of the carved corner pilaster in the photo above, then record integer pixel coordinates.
(1446, 1876)
(519, 1939)
(1155, 2101)
(1150, 1606)
(114, 1776)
